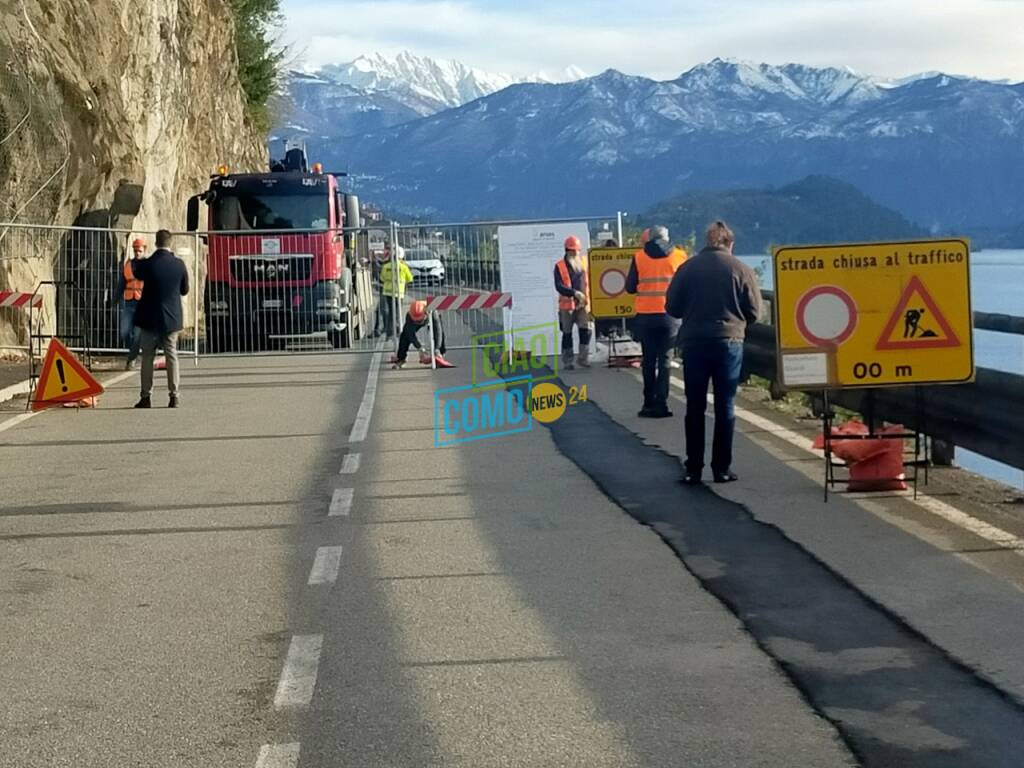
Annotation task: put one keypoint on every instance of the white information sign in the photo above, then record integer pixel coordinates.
(805, 368)
(528, 254)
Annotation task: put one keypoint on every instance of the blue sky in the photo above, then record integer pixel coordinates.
(887, 38)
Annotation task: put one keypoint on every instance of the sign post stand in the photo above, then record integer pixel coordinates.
(608, 268)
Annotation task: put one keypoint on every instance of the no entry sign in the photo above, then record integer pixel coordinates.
(608, 269)
(874, 314)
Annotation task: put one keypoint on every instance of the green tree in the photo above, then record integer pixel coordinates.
(259, 59)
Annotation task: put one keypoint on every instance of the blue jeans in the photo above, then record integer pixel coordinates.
(717, 361)
(129, 333)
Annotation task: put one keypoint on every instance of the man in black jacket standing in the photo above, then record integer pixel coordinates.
(715, 295)
(159, 314)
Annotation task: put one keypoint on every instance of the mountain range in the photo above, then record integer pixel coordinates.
(946, 152)
(374, 92)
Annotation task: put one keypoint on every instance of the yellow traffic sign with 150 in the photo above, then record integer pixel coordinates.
(875, 314)
(608, 270)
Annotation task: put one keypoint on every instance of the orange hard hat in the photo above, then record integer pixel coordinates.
(138, 244)
(572, 243)
(645, 236)
(418, 310)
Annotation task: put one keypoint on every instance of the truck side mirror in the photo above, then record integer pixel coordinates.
(192, 214)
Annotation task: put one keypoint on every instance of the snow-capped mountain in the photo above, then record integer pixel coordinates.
(441, 83)
(944, 151)
(376, 91)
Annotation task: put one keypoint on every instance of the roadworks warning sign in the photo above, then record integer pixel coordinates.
(874, 314)
(63, 379)
(608, 268)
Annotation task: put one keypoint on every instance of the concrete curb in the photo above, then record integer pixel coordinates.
(9, 393)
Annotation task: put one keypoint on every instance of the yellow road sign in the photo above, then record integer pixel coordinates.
(875, 314)
(608, 269)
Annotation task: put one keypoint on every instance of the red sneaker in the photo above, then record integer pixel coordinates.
(442, 363)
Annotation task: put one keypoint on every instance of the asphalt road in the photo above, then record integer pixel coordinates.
(173, 593)
(287, 571)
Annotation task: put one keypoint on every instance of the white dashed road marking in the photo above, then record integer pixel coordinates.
(325, 566)
(362, 425)
(278, 756)
(298, 678)
(341, 502)
(350, 465)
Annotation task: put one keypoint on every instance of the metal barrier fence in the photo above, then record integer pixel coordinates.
(82, 266)
(259, 291)
(462, 258)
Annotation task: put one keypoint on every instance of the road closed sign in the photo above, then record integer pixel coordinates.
(608, 270)
(875, 314)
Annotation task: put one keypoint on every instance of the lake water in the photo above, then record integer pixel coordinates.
(997, 285)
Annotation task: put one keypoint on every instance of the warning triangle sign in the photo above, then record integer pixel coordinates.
(63, 379)
(917, 322)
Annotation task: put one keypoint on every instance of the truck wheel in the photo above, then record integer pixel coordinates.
(342, 339)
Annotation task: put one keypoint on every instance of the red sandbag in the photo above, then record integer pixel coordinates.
(875, 464)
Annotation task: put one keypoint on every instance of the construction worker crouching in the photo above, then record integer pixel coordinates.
(415, 319)
(130, 291)
(649, 277)
(573, 302)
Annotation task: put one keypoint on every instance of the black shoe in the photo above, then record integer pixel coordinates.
(691, 479)
(725, 477)
(144, 402)
(173, 402)
(646, 413)
(661, 413)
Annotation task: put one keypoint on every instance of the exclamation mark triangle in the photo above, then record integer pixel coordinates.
(60, 372)
(63, 379)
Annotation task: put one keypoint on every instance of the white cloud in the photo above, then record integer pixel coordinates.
(888, 38)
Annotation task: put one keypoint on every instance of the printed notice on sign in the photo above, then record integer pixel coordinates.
(528, 254)
(805, 368)
(874, 314)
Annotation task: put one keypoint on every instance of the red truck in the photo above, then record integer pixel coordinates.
(279, 266)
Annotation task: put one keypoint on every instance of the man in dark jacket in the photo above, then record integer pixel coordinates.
(715, 295)
(649, 277)
(159, 314)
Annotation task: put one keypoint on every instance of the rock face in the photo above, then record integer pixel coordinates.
(112, 113)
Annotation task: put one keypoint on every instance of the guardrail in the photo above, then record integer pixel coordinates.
(986, 416)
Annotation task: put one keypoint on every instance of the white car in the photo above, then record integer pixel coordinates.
(425, 266)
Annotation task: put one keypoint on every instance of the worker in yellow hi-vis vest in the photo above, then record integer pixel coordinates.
(394, 276)
(649, 276)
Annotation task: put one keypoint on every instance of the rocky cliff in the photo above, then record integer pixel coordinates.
(112, 113)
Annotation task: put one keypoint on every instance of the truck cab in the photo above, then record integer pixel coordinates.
(279, 265)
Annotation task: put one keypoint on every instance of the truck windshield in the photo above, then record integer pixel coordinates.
(245, 211)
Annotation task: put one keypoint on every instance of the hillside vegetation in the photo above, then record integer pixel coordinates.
(817, 209)
(259, 60)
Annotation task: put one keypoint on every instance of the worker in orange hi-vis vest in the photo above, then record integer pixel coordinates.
(129, 291)
(649, 276)
(573, 302)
